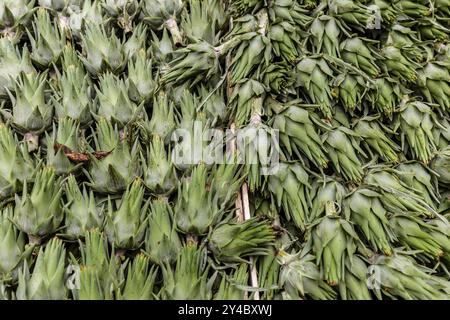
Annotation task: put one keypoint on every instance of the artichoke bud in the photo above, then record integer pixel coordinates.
(435, 84)
(162, 122)
(140, 280)
(163, 13)
(188, 280)
(440, 231)
(16, 164)
(162, 49)
(48, 41)
(416, 119)
(278, 78)
(46, 282)
(197, 209)
(417, 177)
(300, 277)
(136, 42)
(13, 249)
(89, 12)
(232, 286)
(396, 196)
(119, 163)
(350, 90)
(74, 99)
(289, 187)
(247, 98)
(66, 135)
(299, 135)
(30, 111)
(102, 51)
(162, 243)
(398, 276)
(114, 102)
(159, 174)
(399, 65)
(81, 213)
(122, 12)
(198, 23)
(40, 212)
(12, 64)
(255, 50)
(375, 139)
(323, 193)
(142, 83)
(125, 227)
(415, 234)
(285, 40)
(343, 148)
(333, 241)
(101, 274)
(194, 63)
(441, 165)
(226, 181)
(352, 13)
(385, 96)
(234, 241)
(368, 214)
(315, 76)
(356, 52)
(13, 14)
(325, 31)
(354, 286)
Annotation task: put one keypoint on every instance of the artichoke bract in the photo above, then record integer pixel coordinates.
(140, 280)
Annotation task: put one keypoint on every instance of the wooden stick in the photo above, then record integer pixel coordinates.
(254, 272)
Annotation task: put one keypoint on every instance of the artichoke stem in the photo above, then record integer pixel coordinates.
(263, 21)
(32, 140)
(172, 25)
(33, 240)
(191, 239)
(120, 253)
